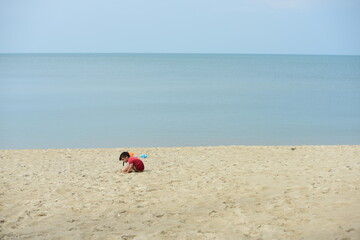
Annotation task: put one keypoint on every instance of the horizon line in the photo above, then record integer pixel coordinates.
(198, 53)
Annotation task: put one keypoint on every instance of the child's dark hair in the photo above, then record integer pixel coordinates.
(124, 154)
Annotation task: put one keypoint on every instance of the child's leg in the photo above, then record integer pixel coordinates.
(134, 168)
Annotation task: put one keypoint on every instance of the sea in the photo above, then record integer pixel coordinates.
(177, 100)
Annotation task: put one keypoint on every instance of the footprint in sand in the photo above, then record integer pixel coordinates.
(41, 214)
(128, 237)
(213, 213)
(148, 222)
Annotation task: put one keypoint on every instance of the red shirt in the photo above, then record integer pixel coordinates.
(138, 164)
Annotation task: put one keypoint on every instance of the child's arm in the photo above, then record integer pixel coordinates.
(128, 168)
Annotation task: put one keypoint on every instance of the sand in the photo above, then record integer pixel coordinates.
(233, 192)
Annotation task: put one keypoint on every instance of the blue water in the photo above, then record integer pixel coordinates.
(149, 100)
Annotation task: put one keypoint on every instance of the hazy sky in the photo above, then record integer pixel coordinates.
(181, 26)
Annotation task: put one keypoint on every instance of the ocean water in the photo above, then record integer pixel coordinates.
(153, 100)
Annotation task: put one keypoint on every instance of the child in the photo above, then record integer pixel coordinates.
(135, 164)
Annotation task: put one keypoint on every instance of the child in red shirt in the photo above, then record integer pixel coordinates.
(135, 164)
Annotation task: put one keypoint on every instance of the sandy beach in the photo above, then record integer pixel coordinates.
(232, 192)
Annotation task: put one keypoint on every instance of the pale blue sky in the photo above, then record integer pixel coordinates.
(181, 26)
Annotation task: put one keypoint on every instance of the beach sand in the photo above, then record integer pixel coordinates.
(232, 192)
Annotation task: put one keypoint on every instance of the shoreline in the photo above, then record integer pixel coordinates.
(209, 192)
(200, 146)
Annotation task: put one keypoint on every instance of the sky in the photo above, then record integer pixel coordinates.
(329, 27)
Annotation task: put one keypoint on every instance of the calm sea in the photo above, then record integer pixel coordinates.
(149, 100)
